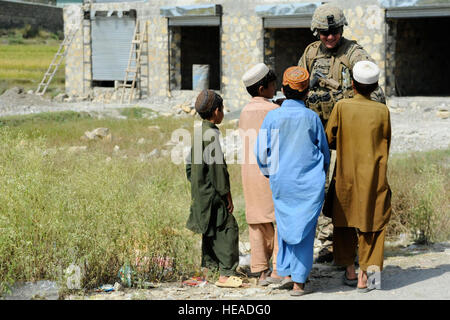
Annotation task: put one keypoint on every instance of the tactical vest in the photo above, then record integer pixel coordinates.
(335, 68)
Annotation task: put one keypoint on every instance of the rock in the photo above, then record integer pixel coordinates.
(244, 260)
(69, 99)
(116, 148)
(166, 114)
(154, 154)
(108, 159)
(193, 112)
(99, 133)
(185, 108)
(154, 128)
(141, 141)
(443, 113)
(60, 97)
(117, 286)
(82, 98)
(244, 247)
(30, 92)
(77, 149)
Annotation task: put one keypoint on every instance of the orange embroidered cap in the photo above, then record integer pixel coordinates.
(297, 78)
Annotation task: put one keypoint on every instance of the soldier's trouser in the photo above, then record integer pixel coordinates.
(370, 246)
(222, 250)
(325, 233)
(263, 246)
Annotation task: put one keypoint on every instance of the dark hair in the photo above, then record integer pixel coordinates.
(365, 89)
(294, 94)
(253, 90)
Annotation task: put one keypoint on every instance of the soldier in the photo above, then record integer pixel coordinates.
(330, 61)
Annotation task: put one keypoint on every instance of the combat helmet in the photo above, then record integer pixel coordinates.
(327, 17)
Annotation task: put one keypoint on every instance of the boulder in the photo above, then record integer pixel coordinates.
(443, 113)
(99, 133)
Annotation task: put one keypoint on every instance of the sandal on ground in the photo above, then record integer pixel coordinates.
(297, 292)
(264, 282)
(273, 280)
(286, 284)
(349, 282)
(232, 282)
(364, 290)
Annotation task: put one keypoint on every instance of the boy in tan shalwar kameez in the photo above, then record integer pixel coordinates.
(259, 211)
(360, 131)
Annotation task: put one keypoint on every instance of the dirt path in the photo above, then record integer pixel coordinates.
(415, 272)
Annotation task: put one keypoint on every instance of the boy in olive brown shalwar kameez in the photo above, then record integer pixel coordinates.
(212, 205)
(360, 130)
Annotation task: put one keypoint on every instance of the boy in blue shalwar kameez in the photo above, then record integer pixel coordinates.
(292, 151)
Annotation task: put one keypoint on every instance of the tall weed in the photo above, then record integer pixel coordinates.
(420, 201)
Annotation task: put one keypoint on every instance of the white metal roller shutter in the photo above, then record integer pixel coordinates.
(111, 44)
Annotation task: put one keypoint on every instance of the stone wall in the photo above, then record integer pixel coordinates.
(175, 58)
(19, 14)
(242, 45)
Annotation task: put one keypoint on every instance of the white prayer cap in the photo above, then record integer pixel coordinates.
(366, 72)
(255, 74)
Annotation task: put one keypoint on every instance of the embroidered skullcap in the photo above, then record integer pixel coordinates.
(207, 100)
(297, 78)
(255, 74)
(366, 72)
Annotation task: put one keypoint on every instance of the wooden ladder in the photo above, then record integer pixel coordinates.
(57, 59)
(139, 39)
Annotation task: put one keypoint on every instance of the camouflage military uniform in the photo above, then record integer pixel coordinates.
(330, 74)
(331, 81)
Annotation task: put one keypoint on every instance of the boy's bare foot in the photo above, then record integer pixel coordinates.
(362, 279)
(298, 286)
(223, 279)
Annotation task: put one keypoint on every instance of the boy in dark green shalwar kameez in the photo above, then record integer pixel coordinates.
(212, 205)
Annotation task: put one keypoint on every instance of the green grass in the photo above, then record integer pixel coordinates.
(421, 199)
(24, 61)
(102, 209)
(59, 208)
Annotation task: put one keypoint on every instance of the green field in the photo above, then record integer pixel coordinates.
(23, 62)
(102, 209)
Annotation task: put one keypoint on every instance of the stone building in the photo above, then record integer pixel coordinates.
(229, 36)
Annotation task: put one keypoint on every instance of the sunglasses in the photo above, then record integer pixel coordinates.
(332, 31)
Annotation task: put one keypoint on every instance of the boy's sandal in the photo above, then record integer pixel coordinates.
(349, 282)
(264, 282)
(286, 284)
(364, 290)
(297, 292)
(232, 282)
(272, 280)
